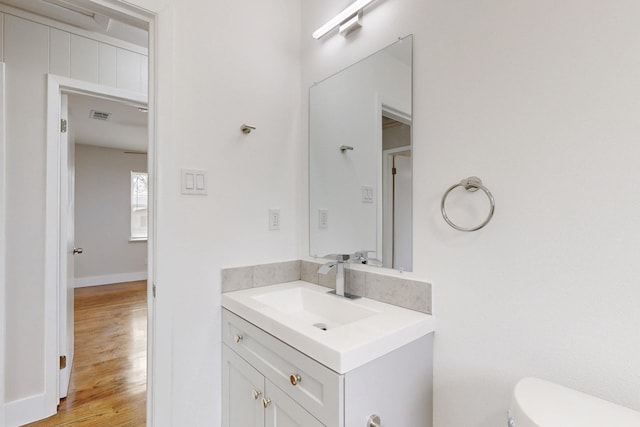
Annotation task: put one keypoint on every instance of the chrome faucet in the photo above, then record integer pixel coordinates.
(339, 262)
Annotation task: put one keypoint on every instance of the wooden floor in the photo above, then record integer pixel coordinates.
(108, 380)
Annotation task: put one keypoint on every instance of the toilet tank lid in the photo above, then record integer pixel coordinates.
(539, 403)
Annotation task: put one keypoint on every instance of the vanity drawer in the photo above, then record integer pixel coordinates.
(317, 388)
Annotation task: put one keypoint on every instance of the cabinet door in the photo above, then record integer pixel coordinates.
(242, 392)
(282, 411)
(320, 391)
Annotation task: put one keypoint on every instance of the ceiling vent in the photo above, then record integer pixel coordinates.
(100, 115)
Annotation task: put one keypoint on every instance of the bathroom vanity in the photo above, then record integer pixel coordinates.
(294, 355)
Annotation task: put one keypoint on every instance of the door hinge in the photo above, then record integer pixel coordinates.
(394, 171)
(153, 289)
(63, 362)
(63, 126)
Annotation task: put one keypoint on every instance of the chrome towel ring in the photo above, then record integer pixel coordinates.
(473, 183)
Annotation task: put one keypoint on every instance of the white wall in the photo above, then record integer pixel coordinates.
(26, 63)
(539, 99)
(220, 64)
(102, 216)
(346, 110)
(30, 50)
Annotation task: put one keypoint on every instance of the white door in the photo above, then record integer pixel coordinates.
(67, 250)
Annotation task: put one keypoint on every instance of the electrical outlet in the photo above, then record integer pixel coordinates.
(274, 219)
(323, 218)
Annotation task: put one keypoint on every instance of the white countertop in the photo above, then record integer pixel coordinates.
(375, 329)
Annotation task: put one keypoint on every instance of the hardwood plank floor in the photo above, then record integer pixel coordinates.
(109, 375)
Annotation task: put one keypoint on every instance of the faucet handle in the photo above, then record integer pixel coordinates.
(362, 257)
(338, 257)
(374, 262)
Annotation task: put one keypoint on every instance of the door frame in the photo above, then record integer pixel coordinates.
(55, 211)
(3, 237)
(65, 340)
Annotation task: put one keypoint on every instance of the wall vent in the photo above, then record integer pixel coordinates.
(99, 115)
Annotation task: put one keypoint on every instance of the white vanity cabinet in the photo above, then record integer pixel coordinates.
(267, 383)
(251, 400)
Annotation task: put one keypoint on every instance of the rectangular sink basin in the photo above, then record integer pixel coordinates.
(314, 308)
(340, 333)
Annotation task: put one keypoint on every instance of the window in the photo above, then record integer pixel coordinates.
(139, 205)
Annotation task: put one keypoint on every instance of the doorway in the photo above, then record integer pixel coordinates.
(111, 213)
(109, 141)
(396, 192)
(60, 169)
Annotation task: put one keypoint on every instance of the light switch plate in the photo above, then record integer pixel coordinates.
(367, 194)
(193, 182)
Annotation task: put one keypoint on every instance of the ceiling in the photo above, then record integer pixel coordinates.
(82, 14)
(125, 129)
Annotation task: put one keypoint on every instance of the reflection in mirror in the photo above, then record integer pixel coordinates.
(360, 160)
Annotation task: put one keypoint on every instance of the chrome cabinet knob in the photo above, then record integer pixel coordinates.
(295, 379)
(266, 402)
(238, 338)
(77, 251)
(256, 394)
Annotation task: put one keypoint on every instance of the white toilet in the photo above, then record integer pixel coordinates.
(539, 403)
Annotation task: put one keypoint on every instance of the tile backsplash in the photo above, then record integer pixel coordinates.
(235, 279)
(411, 294)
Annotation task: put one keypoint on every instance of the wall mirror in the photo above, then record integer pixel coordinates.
(360, 160)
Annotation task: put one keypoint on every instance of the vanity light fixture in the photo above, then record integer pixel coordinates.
(348, 20)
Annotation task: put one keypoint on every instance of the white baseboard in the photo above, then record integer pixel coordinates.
(81, 282)
(28, 410)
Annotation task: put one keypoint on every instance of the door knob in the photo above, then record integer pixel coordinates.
(256, 394)
(266, 402)
(77, 251)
